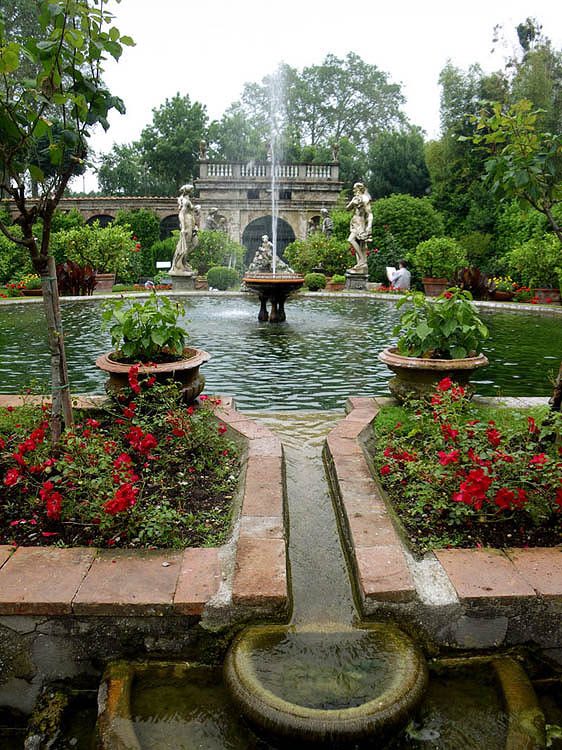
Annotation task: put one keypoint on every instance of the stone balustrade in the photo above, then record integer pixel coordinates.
(253, 170)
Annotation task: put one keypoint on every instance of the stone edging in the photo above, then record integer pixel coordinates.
(81, 581)
(515, 593)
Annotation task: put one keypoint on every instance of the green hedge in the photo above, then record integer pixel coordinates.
(222, 278)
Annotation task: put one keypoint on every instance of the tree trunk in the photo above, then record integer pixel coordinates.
(62, 406)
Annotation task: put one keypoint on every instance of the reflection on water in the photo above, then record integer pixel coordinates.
(325, 351)
(183, 707)
(322, 670)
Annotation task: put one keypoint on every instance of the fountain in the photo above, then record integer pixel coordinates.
(262, 276)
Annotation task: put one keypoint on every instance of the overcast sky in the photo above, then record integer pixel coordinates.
(210, 51)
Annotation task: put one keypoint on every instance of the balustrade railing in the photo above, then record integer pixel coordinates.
(263, 169)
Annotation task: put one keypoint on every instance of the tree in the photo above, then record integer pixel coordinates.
(170, 145)
(65, 88)
(122, 172)
(396, 164)
(523, 162)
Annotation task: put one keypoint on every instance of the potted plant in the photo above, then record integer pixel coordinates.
(336, 283)
(538, 263)
(31, 285)
(502, 288)
(146, 335)
(437, 339)
(436, 260)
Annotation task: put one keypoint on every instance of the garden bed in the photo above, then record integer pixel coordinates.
(459, 475)
(147, 472)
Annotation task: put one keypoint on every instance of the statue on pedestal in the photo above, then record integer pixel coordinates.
(189, 229)
(360, 226)
(212, 220)
(327, 223)
(263, 260)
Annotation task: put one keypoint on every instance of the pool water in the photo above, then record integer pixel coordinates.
(326, 351)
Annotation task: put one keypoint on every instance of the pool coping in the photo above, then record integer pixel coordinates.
(248, 573)
(510, 591)
(381, 296)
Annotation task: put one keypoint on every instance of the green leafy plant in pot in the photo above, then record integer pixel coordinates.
(436, 260)
(437, 339)
(147, 336)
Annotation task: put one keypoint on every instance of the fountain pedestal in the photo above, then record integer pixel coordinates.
(274, 289)
(182, 281)
(356, 281)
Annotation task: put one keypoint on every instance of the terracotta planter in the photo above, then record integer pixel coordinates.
(545, 293)
(435, 287)
(502, 296)
(32, 292)
(416, 376)
(332, 287)
(184, 371)
(104, 282)
(201, 284)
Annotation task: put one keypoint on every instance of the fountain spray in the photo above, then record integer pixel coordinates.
(276, 98)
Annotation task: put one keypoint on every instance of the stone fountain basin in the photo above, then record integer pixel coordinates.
(293, 682)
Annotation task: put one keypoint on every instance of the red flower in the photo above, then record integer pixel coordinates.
(473, 490)
(222, 429)
(124, 498)
(558, 498)
(445, 384)
(504, 498)
(93, 423)
(494, 437)
(457, 393)
(447, 295)
(52, 499)
(539, 460)
(385, 470)
(448, 458)
(449, 433)
(12, 476)
(532, 424)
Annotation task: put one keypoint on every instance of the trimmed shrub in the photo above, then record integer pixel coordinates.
(411, 220)
(215, 249)
(332, 254)
(221, 277)
(387, 253)
(439, 257)
(315, 281)
(14, 259)
(145, 230)
(109, 249)
(537, 262)
(337, 279)
(163, 250)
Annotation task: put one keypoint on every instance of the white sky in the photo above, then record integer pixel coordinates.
(210, 51)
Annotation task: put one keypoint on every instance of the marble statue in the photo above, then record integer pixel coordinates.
(188, 220)
(212, 221)
(335, 151)
(327, 223)
(360, 226)
(202, 151)
(263, 260)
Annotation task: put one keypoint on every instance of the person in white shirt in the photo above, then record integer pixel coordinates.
(401, 278)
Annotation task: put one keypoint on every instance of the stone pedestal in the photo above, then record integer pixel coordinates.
(356, 281)
(182, 282)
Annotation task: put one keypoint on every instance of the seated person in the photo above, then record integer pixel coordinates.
(401, 278)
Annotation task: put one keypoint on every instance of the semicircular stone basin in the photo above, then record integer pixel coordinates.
(322, 686)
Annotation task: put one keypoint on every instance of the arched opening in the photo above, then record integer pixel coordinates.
(104, 219)
(167, 226)
(251, 237)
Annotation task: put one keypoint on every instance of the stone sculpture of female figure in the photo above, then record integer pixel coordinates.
(188, 231)
(360, 226)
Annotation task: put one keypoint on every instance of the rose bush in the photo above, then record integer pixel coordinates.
(459, 478)
(145, 471)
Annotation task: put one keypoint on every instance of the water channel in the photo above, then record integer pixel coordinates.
(326, 351)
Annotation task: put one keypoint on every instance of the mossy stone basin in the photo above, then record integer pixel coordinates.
(323, 686)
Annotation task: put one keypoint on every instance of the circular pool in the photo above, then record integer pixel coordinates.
(326, 351)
